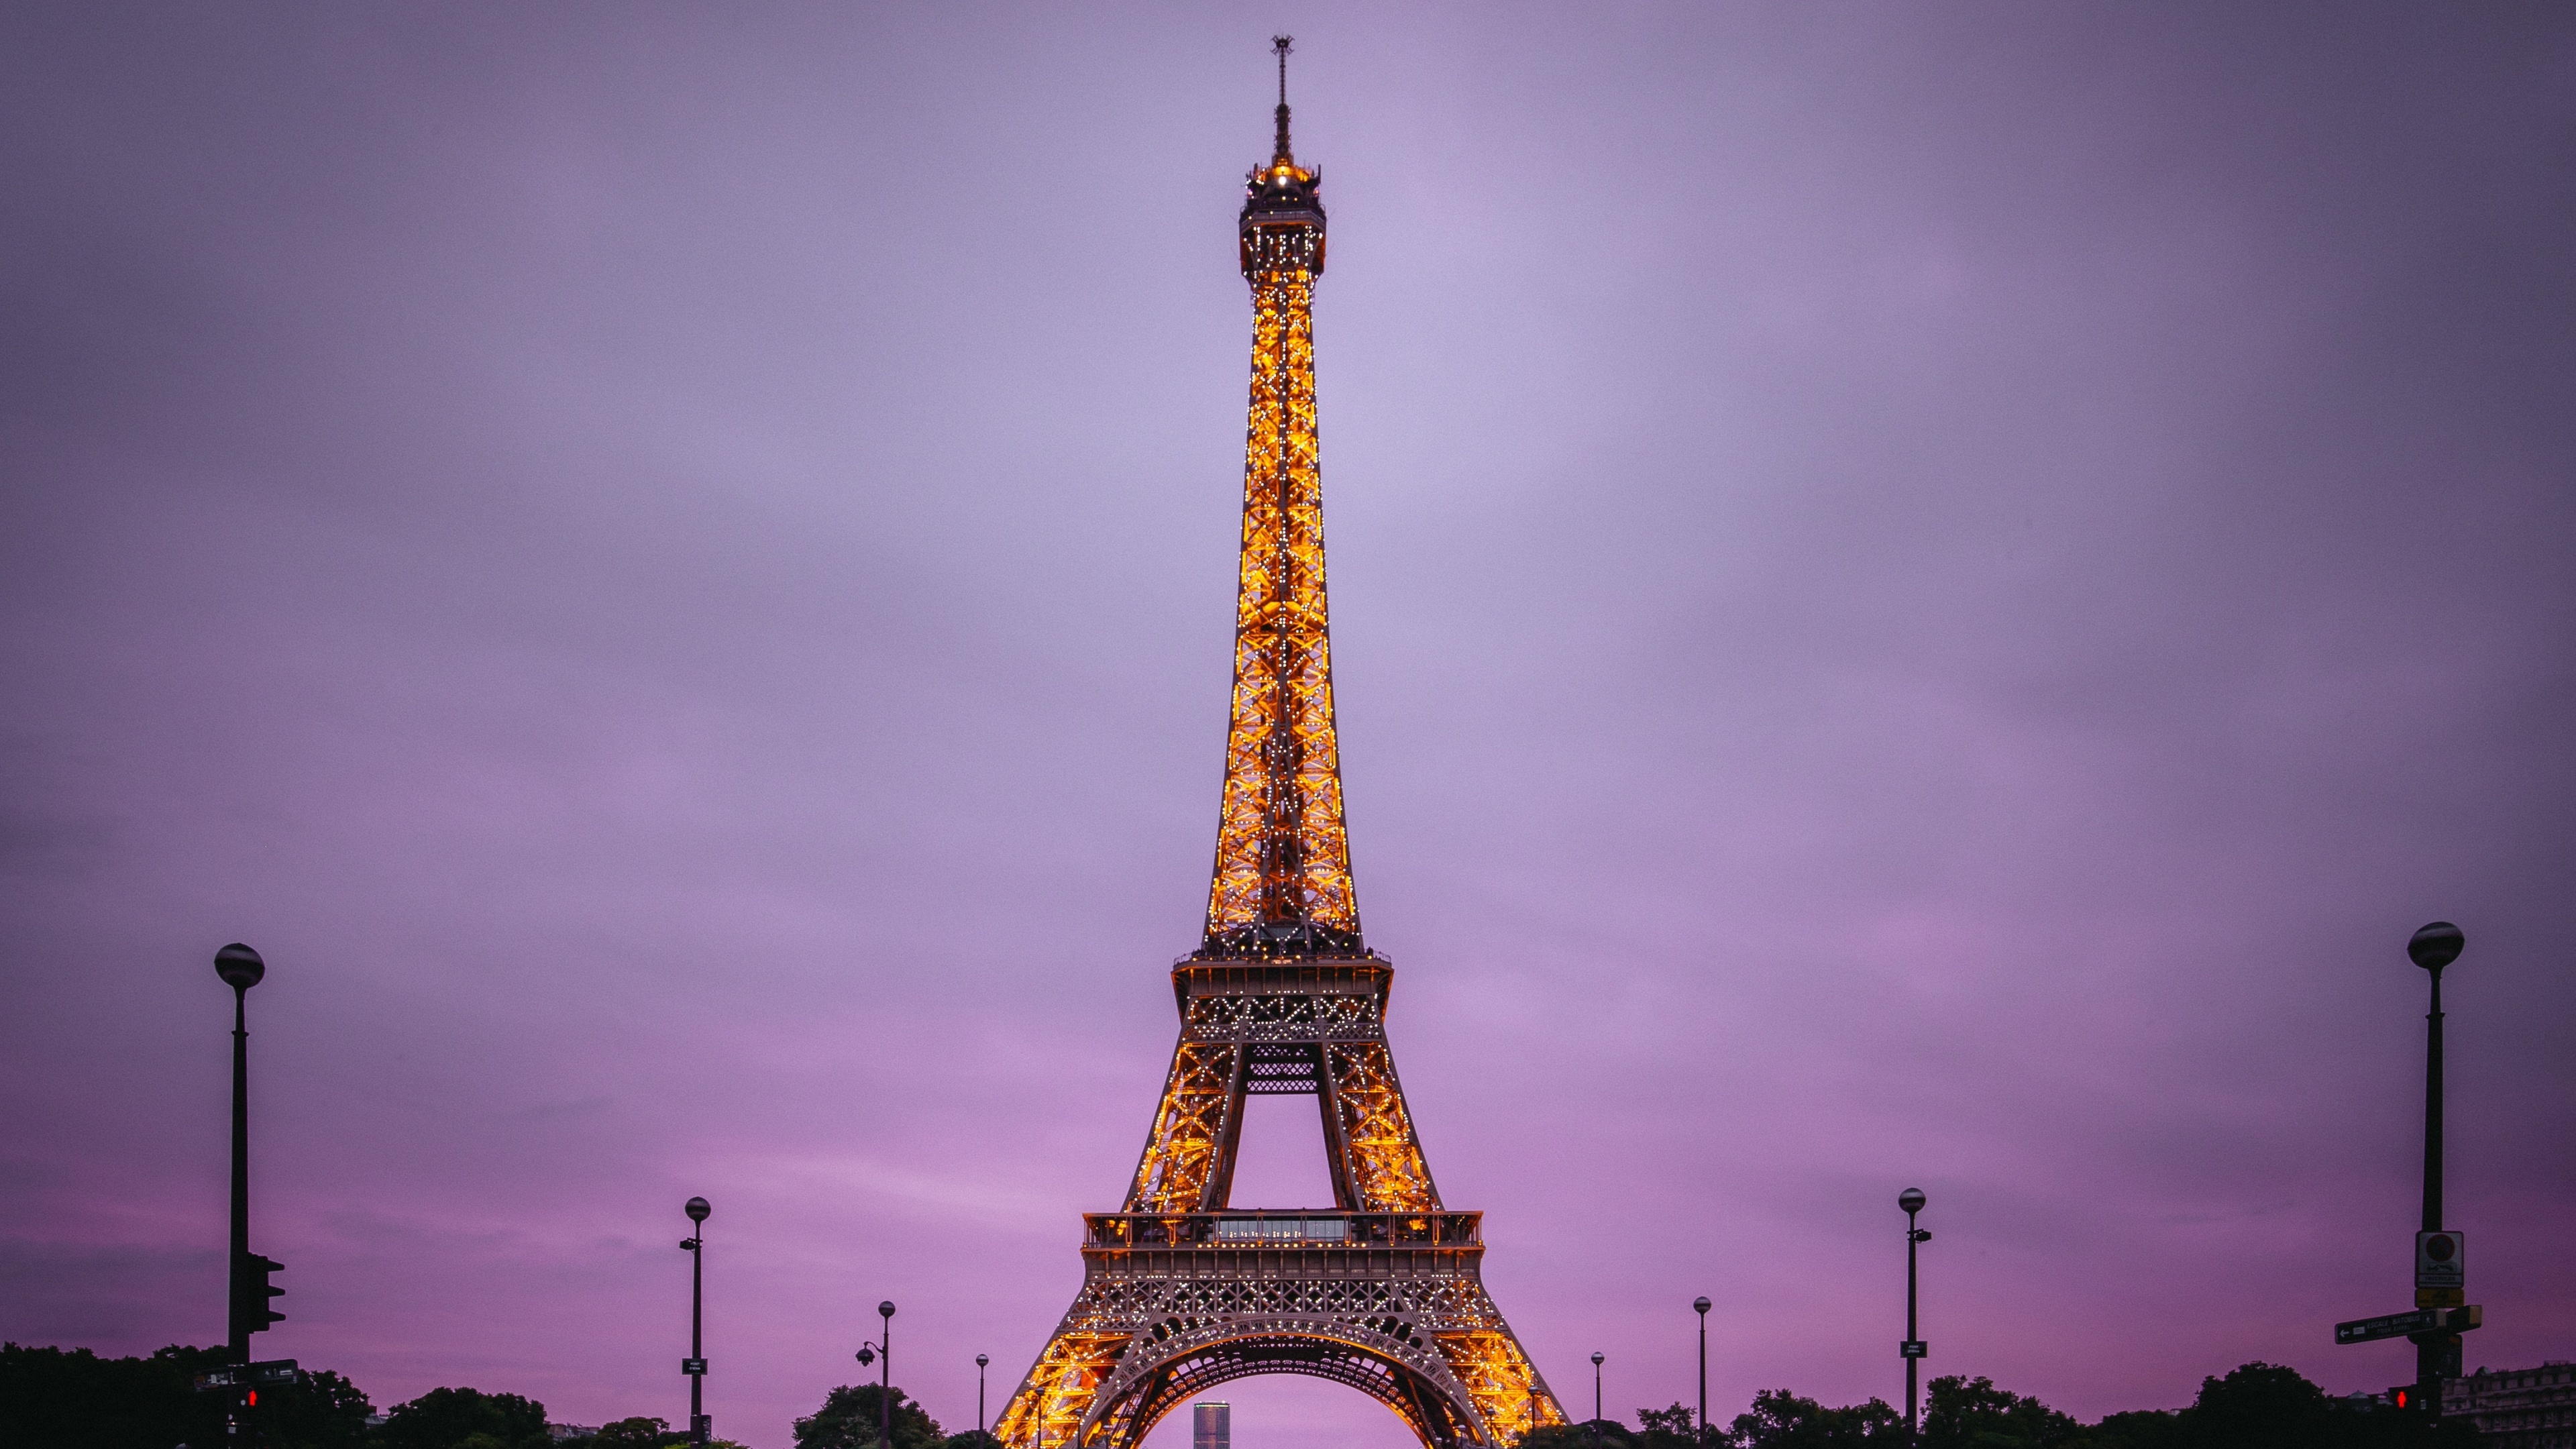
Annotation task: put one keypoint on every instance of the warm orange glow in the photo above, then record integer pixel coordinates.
(1509, 1397)
(1282, 853)
(1383, 1292)
(1181, 1153)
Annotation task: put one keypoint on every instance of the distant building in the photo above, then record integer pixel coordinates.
(1211, 1426)
(561, 1432)
(2533, 1408)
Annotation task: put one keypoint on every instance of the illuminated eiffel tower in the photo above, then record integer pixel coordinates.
(1180, 1290)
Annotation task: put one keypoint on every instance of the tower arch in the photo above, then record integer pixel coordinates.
(1171, 1375)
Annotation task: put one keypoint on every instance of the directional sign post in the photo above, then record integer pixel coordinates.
(2389, 1325)
(267, 1373)
(2407, 1325)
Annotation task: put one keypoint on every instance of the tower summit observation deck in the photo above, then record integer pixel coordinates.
(1181, 1291)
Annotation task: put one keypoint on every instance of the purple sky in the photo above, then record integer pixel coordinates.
(1925, 595)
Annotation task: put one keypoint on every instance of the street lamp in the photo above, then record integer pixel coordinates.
(1701, 1303)
(882, 1352)
(1913, 1349)
(1596, 1396)
(2436, 1353)
(695, 1366)
(246, 1309)
(980, 1361)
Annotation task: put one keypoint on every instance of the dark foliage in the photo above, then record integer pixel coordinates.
(2260, 1403)
(465, 1419)
(633, 1433)
(1783, 1420)
(2137, 1429)
(849, 1420)
(1593, 1434)
(2265, 1406)
(2258, 1406)
(73, 1399)
(1673, 1428)
(1964, 1413)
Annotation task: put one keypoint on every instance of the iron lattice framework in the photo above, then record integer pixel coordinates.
(1384, 1291)
(1283, 857)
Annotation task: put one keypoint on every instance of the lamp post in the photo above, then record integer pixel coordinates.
(1596, 1396)
(882, 1352)
(1913, 1349)
(980, 1361)
(696, 1365)
(1701, 1304)
(2434, 947)
(241, 968)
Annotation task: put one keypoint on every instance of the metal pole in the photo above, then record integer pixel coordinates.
(885, 1381)
(1911, 1244)
(246, 1312)
(1596, 1396)
(697, 1343)
(696, 1365)
(2431, 1349)
(237, 1341)
(2433, 947)
(980, 1361)
(2433, 1110)
(1702, 1305)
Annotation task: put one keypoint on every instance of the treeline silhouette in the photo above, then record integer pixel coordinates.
(2257, 1406)
(73, 1399)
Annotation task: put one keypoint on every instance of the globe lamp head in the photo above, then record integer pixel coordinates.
(698, 1210)
(1911, 1200)
(2435, 946)
(240, 966)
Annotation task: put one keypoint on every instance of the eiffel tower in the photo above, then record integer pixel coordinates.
(1181, 1291)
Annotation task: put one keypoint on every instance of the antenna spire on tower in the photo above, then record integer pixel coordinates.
(1281, 44)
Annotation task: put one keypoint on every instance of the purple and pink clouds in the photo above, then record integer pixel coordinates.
(1924, 597)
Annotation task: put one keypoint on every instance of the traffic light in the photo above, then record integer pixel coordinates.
(2403, 1397)
(259, 1267)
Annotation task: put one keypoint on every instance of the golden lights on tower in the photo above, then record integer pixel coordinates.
(1182, 1290)
(1282, 883)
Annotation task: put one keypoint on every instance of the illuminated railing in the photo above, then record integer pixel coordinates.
(1280, 1230)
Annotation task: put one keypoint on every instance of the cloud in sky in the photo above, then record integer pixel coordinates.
(1922, 597)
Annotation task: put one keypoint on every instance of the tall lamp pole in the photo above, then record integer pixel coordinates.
(1913, 1349)
(1596, 1396)
(1701, 1304)
(246, 1309)
(882, 1352)
(241, 969)
(696, 1366)
(980, 1361)
(2436, 1353)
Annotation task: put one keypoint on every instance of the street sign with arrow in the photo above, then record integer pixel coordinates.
(2407, 1325)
